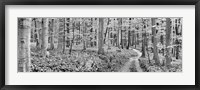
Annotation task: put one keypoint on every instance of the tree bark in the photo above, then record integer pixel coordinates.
(168, 40)
(155, 49)
(84, 36)
(24, 36)
(143, 41)
(122, 41)
(117, 35)
(135, 40)
(64, 37)
(162, 42)
(133, 37)
(129, 39)
(100, 36)
(45, 23)
(106, 33)
(177, 49)
(72, 41)
(147, 46)
(52, 35)
(55, 33)
(119, 32)
(60, 34)
(37, 32)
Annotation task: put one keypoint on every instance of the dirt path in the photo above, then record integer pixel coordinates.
(127, 65)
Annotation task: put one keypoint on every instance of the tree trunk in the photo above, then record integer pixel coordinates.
(52, 35)
(84, 37)
(143, 41)
(129, 40)
(100, 36)
(122, 43)
(106, 33)
(72, 41)
(155, 49)
(119, 32)
(45, 23)
(60, 34)
(24, 32)
(143, 45)
(64, 37)
(55, 33)
(177, 49)
(37, 32)
(133, 37)
(162, 42)
(108, 37)
(147, 46)
(168, 40)
(128, 37)
(117, 36)
(135, 40)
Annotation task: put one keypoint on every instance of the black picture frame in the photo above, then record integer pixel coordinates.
(3, 3)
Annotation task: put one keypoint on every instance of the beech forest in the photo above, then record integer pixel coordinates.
(99, 44)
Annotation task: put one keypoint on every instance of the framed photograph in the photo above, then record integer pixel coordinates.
(107, 44)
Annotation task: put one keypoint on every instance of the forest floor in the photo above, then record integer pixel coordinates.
(134, 60)
(113, 60)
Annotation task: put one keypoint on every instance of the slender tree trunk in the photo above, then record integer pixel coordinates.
(55, 33)
(143, 41)
(177, 49)
(106, 33)
(129, 40)
(37, 32)
(168, 40)
(122, 41)
(155, 49)
(147, 46)
(143, 45)
(120, 32)
(52, 35)
(162, 42)
(136, 40)
(72, 41)
(118, 36)
(45, 23)
(64, 38)
(108, 38)
(24, 36)
(84, 37)
(100, 37)
(60, 35)
(133, 38)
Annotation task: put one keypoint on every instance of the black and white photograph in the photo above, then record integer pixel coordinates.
(99, 44)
